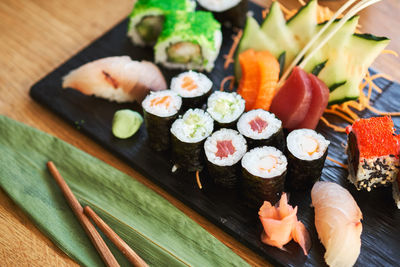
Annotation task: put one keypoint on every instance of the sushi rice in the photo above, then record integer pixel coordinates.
(225, 107)
(237, 142)
(162, 103)
(306, 144)
(265, 162)
(199, 83)
(218, 5)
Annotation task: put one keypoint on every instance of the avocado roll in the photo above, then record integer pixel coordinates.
(231, 11)
(306, 153)
(193, 87)
(188, 135)
(189, 40)
(160, 109)
(225, 108)
(261, 128)
(264, 171)
(224, 149)
(147, 18)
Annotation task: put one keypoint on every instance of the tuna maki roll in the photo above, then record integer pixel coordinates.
(189, 40)
(262, 128)
(160, 109)
(147, 18)
(224, 149)
(188, 135)
(264, 171)
(225, 108)
(306, 153)
(231, 11)
(193, 87)
(372, 149)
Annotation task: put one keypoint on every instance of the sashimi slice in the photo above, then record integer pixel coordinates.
(281, 225)
(269, 75)
(293, 99)
(250, 81)
(117, 79)
(319, 101)
(337, 220)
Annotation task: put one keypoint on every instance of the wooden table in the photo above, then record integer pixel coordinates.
(37, 36)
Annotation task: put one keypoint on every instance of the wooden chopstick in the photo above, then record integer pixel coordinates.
(76, 207)
(118, 242)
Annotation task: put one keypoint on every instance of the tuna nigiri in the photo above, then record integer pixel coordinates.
(337, 220)
(117, 79)
(281, 225)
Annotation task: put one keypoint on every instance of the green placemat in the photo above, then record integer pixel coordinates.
(160, 233)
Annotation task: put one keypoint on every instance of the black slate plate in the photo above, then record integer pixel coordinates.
(93, 116)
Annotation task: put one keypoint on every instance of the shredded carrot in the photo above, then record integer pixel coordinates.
(264, 13)
(337, 162)
(334, 127)
(229, 57)
(339, 114)
(230, 78)
(391, 52)
(198, 180)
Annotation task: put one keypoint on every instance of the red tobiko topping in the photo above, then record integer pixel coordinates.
(225, 148)
(258, 124)
(376, 137)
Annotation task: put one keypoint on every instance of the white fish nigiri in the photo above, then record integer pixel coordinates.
(337, 220)
(117, 79)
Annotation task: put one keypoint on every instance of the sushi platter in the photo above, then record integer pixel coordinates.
(150, 155)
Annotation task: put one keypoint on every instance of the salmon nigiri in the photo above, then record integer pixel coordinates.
(281, 225)
(337, 220)
(117, 79)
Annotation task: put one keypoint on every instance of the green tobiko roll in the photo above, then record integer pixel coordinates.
(189, 40)
(147, 18)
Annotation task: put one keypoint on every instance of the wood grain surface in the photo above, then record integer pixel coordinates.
(38, 35)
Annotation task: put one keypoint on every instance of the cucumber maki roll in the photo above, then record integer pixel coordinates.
(160, 109)
(147, 18)
(225, 108)
(224, 149)
(188, 135)
(261, 128)
(231, 11)
(264, 171)
(306, 153)
(193, 87)
(189, 40)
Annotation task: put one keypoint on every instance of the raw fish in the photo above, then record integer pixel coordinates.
(117, 79)
(281, 225)
(337, 220)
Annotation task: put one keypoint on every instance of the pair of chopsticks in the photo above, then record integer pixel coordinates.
(84, 215)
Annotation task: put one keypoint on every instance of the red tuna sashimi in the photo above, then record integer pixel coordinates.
(258, 124)
(225, 148)
(319, 101)
(293, 99)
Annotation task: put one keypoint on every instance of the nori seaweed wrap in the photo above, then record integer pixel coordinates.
(262, 128)
(188, 135)
(232, 11)
(160, 109)
(306, 154)
(225, 108)
(264, 172)
(224, 149)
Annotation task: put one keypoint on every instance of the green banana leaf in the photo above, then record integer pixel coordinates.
(160, 233)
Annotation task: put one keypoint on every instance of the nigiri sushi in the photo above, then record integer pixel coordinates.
(117, 79)
(337, 220)
(281, 225)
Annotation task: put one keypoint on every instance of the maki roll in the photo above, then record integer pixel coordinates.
(372, 149)
(147, 18)
(189, 41)
(188, 135)
(262, 128)
(231, 11)
(264, 171)
(193, 87)
(225, 108)
(224, 149)
(160, 109)
(306, 153)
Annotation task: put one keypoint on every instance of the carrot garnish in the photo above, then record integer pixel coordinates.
(230, 78)
(333, 126)
(198, 180)
(337, 162)
(229, 57)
